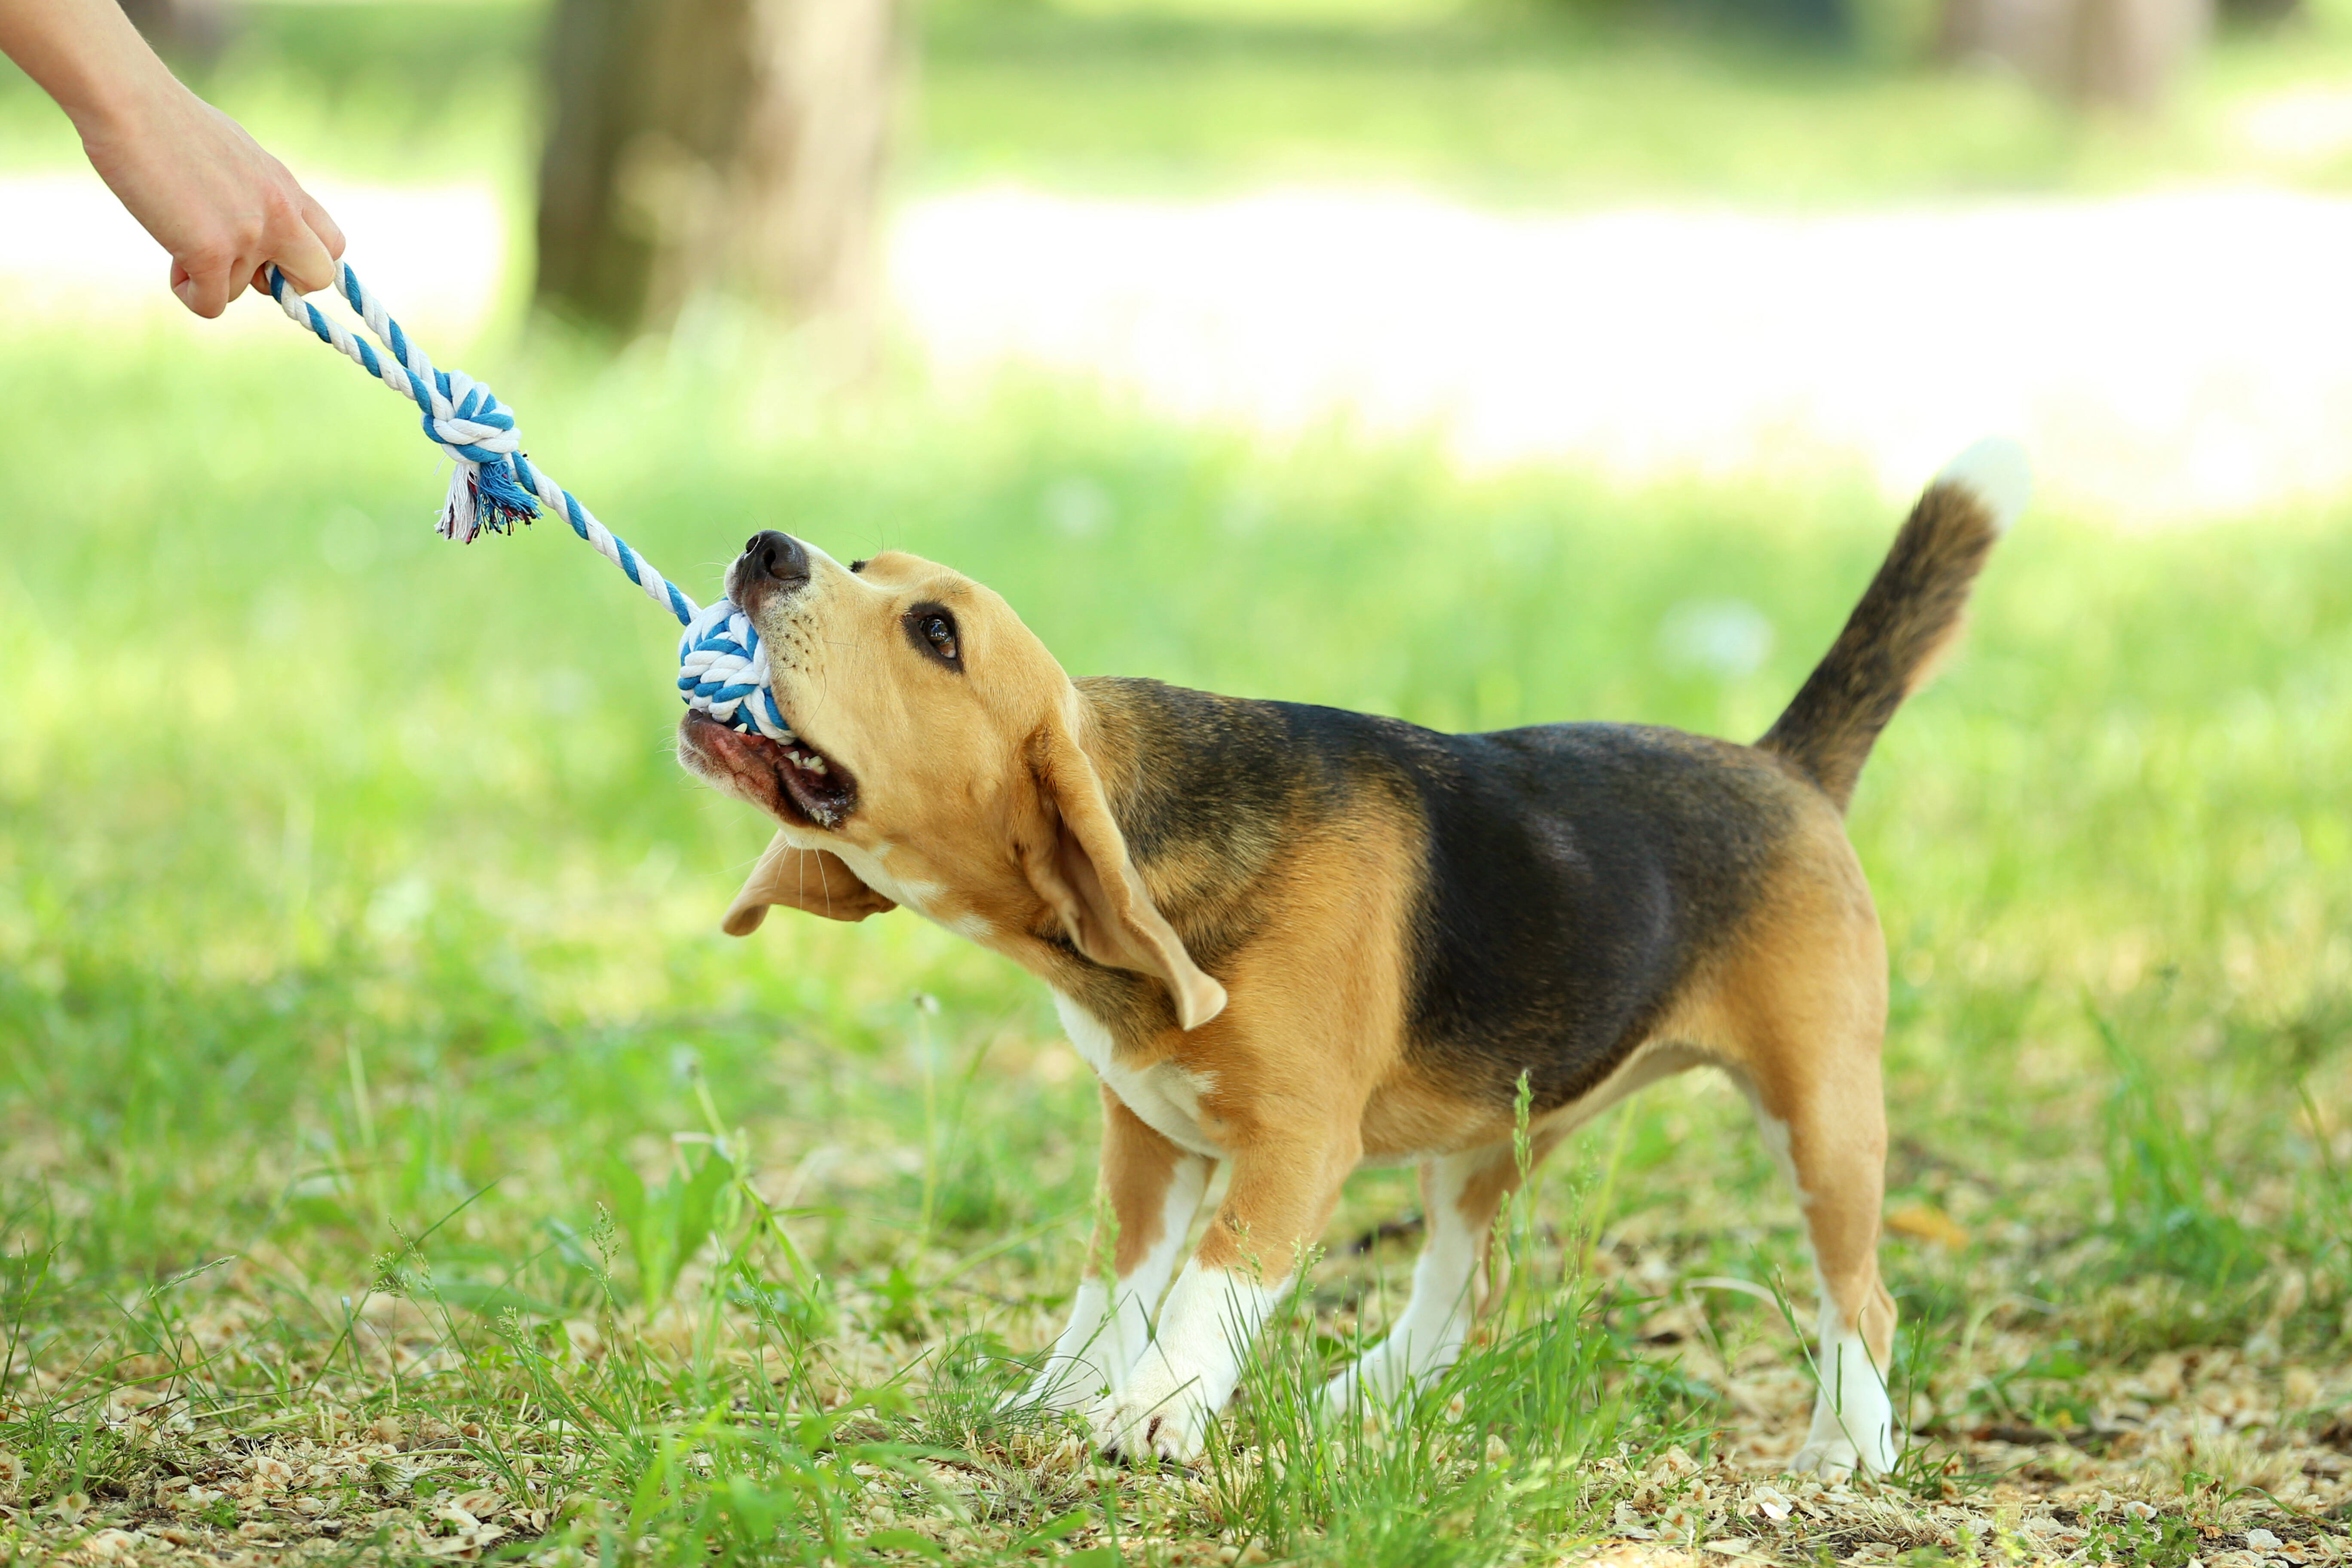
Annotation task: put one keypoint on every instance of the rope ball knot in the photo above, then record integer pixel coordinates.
(723, 670)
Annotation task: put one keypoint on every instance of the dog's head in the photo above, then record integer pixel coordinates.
(938, 762)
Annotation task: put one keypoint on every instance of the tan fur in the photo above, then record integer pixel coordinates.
(1804, 1006)
(1292, 1074)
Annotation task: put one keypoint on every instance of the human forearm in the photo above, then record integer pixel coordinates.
(86, 55)
(194, 179)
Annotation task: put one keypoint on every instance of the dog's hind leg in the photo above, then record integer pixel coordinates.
(1829, 1128)
(1796, 1011)
(1460, 1195)
(1150, 1190)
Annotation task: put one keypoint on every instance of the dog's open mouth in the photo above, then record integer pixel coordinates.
(797, 783)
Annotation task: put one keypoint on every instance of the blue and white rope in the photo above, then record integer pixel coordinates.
(722, 669)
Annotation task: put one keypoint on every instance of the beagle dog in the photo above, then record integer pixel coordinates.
(1302, 941)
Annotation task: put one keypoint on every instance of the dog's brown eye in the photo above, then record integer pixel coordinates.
(933, 632)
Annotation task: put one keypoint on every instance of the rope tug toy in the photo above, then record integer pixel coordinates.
(723, 670)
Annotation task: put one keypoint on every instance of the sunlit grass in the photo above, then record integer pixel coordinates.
(368, 1052)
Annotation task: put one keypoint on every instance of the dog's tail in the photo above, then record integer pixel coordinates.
(1907, 617)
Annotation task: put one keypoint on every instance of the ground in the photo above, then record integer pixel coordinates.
(395, 1163)
(382, 1104)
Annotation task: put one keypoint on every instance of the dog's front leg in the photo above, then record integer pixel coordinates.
(1149, 1191)
(1460, 1195)
(1281, 1195)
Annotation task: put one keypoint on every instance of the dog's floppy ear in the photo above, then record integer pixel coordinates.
(811, 879)
(1080, 865)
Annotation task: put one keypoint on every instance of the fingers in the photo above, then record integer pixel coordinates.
(303, 257)
(204, 284)
(304, 246)
(205, 281)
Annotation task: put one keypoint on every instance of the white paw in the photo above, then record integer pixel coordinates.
(1831, 1460)
(1062, 1384)
(1375, 1378)
(1347, 1391)
(1854, 1420)
(1172, 1427)
(1834, 1456)
(1164, 1406)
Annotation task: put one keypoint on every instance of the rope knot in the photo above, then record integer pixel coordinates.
(723, 670)
(488, 492)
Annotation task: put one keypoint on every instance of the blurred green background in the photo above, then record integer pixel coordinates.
(1537, 101)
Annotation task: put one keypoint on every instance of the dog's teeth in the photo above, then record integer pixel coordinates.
(816, 765)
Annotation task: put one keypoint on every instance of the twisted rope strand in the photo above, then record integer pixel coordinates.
(722, 669)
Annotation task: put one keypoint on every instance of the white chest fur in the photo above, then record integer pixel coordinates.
(867, 866)
(1166, 1097)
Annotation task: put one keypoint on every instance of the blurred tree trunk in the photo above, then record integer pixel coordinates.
(2124, 54)
(731, 144)
(181, 29)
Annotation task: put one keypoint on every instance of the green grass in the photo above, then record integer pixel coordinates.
(370, 1059)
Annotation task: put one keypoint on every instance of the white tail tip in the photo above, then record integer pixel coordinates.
(1996, 471)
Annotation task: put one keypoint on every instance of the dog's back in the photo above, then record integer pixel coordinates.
(1575, 876)
(1563, 884)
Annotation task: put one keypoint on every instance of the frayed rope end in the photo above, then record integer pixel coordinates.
(484, 498)
(500, 502)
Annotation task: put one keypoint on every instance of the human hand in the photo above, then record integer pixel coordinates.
(223, 208)
(189, 173)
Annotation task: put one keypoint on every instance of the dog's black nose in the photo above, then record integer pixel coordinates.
(778, 556)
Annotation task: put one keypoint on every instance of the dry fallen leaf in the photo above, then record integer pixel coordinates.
(1925, 1222)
